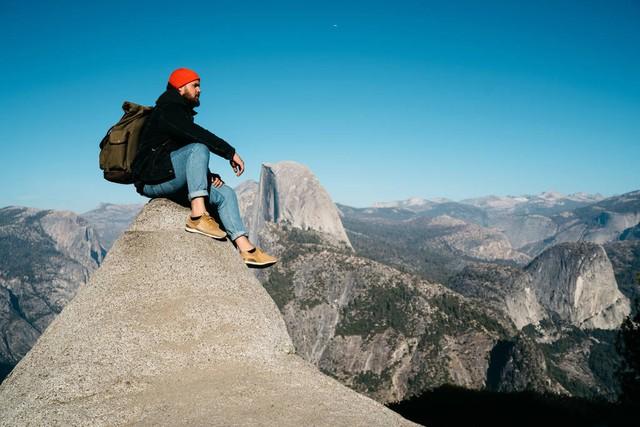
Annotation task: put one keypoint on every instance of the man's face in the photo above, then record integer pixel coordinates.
(191, 92)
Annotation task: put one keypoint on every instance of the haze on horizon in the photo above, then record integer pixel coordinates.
(382, 101)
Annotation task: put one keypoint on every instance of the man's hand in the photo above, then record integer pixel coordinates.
(216, 180)
(237, 164)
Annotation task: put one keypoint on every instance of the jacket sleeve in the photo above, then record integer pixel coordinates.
(182, 128)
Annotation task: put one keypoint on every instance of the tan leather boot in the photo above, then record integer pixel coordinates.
(205, 225)
(258, 258)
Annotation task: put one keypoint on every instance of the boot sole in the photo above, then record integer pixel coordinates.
(193, 230)
(260, 264)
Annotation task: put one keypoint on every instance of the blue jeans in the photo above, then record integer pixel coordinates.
(191, 167)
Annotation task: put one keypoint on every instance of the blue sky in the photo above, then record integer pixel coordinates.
(383, 100)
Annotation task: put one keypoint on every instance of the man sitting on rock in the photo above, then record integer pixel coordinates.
(173, 162)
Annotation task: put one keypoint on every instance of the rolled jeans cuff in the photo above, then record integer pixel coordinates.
(198, 193)
(234, 236)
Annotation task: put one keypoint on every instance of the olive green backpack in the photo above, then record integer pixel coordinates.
(119, 146)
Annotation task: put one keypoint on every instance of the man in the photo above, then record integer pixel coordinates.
(173, 162)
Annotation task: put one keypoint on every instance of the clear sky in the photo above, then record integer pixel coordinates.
(383, 100)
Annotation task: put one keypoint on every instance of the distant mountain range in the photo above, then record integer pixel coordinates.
(546, 202)
(510, 228)
(504, 293)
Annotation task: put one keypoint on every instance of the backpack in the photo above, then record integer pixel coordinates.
(119, 146)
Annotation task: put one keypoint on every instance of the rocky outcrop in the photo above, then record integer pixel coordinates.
(173, 329)
(289, 193)
(505, 288)
(45, 257)
(523, 304)
(576, 281)
(571, 282)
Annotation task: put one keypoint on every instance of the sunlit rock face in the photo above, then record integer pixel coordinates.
(576, 281)
(289, 193)
(573, 283)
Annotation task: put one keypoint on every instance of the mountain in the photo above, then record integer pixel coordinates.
(110, 220)
(545, 203)
(431, 209)
(434, 247)
(381, 331)
(415, 204)
(571, 282)
(601, 222)
(46, 256)
(576, 281)
(174, 329)
(530, 224)
(527, 220)
(524, 230)
(289, 193)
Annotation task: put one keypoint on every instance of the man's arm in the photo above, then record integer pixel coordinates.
(180, 126)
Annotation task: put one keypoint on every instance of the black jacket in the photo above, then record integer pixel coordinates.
(169, 127)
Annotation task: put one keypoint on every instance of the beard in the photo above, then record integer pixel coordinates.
(191, 101)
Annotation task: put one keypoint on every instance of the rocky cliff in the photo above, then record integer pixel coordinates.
(505, 288)
(570, 282)
(45, 257)
(289, 193)
(576, 281)
(173, 329)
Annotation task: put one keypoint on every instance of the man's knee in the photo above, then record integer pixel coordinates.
(222, 194)
(227, 192)
(199, 149)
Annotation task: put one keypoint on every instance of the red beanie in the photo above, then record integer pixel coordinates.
(182, 76)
